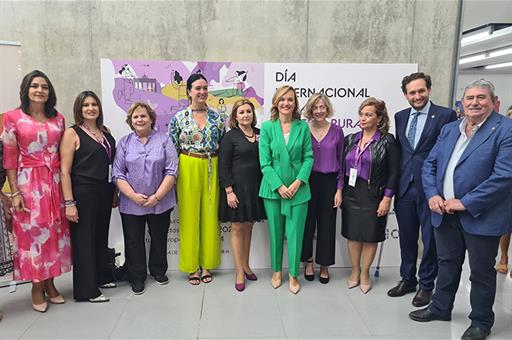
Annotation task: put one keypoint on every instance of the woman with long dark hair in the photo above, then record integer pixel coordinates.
(32, 134)
(196, 132)
(87, 151)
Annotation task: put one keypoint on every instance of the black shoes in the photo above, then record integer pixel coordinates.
(309, 277)
(422, 298)
(161, 279)
(475, 333)
(401, 289)
(425, 315)
(138, 288)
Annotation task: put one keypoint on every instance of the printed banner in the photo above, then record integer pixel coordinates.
(162, 84)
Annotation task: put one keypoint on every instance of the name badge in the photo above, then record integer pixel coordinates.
(110, 173)
(352, 177)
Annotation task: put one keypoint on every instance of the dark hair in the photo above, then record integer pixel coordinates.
(149, 109)
(193, 77)
(281, 91)
(414, 76)
(77, 109)
(232, 123)
(380, 109)
(49, 106)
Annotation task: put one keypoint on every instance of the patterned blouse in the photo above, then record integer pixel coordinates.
(187, 136)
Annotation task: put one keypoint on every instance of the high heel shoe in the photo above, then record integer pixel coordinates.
(57, 300)
(309, 277)
(365, 288)
(294, 288)
(251, 277)
(240, 286)
(41, 308)
(352, 284)
(276, 282)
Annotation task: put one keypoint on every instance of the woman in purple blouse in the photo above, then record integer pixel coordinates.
(145, 170)
(326, 183)
(371, 176)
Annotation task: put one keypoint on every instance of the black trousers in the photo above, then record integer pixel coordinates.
(452, 242)
(89, 239)
(134, 229)
(322, 218)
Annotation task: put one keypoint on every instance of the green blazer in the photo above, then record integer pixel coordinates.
(283, 163)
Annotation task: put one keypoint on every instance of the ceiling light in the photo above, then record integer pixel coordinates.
(475, 37)
(499, 53)
(471, 59)
(490, 67)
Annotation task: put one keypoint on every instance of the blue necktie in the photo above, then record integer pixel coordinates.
(411, 134)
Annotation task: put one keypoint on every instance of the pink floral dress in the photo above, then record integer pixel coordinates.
(42, 247)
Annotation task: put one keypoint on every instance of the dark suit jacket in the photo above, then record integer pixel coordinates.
(411, 160)
(482, 177)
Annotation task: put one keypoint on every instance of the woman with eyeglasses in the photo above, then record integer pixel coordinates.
(371, 169)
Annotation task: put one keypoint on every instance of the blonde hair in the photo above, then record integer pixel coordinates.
(313, 100)
(380, 109)
(280, 92)
(149, 109)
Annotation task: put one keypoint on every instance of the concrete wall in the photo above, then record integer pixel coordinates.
(67, 39)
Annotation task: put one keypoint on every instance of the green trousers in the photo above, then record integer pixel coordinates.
(293, 226)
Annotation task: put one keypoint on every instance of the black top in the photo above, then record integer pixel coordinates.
(238, 159)
(239, 167)
(91, 161)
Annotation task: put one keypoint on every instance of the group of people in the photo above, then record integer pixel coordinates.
(451, 180)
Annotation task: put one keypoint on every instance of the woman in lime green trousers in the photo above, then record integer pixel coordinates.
(286, 159)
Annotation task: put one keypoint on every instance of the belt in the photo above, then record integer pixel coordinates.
(200, 155)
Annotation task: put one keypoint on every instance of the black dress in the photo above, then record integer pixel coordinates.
(239, 167)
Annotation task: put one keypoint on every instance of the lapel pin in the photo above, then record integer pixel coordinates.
(493, 127)
(433, 116)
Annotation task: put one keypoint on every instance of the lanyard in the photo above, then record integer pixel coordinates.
(103, 142)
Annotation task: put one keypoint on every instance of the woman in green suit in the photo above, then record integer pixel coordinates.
(286, 159)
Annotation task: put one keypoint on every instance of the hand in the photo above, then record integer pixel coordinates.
(452, 205)
(150, 202)
(72, 214)
(139, 199)
(294, 187)
(337, 199)
(17, 203)
(284, 192)
(232, 200)
(115, 200)
(436, 204)
(384, 206)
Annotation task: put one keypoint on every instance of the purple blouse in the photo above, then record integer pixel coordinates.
(365, 161)
(144, 167)
(328, 153)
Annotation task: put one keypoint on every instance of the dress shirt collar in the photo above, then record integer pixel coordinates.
(424, 110)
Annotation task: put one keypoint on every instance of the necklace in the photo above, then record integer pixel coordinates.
(248, 136)
(198, 110)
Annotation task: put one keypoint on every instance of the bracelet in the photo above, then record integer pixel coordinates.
(17, 193)
(69, 203)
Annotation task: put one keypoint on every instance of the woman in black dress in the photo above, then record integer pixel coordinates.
(372, 163)
(87, 151)
(240, 177)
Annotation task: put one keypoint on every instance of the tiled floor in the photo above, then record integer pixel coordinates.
(217, 311)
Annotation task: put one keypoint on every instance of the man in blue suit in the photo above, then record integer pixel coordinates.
(417, 129)
(467, 179)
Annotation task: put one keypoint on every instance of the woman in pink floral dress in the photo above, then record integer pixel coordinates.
(31, 139)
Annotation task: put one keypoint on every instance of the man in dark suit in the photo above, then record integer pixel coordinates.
(467, 180)
(417, 129)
